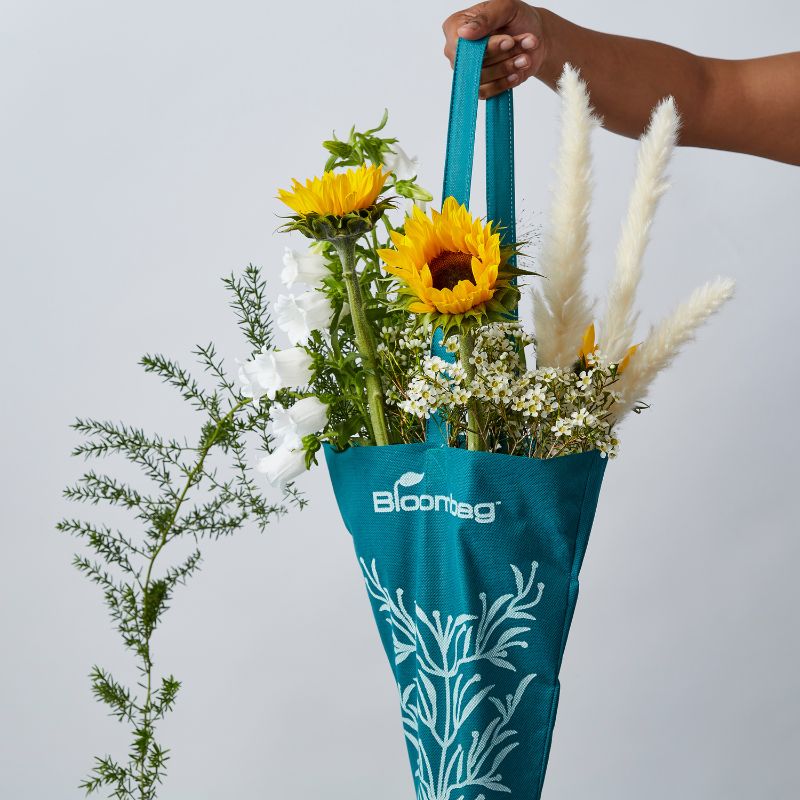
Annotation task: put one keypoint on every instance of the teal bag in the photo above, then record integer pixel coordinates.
(471, 559)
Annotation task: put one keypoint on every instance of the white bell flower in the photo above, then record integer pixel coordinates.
(273, 370)
(282, 465)
(290, 425)
(308, 267)
(298, 315)
(400, 163)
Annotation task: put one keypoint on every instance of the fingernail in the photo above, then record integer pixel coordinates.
(473, 23)
(521, 61)
(506, 44)
(528, 43)
(513, 78)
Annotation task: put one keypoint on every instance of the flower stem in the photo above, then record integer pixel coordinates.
(146, 709)
(346, 248)
(474, 415)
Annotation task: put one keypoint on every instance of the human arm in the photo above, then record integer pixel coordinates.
(749, 106)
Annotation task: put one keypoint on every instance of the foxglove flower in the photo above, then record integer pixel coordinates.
(308, 267)
(290, 425)
(282, 465)
(298, 315)
(273, 370)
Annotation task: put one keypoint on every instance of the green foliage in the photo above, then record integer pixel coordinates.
(359, 148)
(369, 148)
(339, 372)
(194, 491)
(331, 226)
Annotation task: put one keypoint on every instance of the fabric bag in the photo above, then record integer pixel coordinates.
(471, 559)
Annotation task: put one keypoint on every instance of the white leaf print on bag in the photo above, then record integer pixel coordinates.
(410, 478)
(440, 700)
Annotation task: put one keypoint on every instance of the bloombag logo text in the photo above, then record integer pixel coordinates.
(386, 502)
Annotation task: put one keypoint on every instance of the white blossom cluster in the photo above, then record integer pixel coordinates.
(540, 412)
(402, 350)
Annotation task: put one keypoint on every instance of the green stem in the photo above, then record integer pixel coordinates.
(190, 480)
(346, 248)
(474, 415)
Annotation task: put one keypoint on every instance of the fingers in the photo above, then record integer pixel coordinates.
(485, 18)
(493, 88)
(509, 59)
(520, 59)
(509, 48)
(498, 48)
(476, 22)
(511, 72)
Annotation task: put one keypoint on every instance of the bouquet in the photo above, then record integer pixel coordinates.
(466, 451)
(360, 370)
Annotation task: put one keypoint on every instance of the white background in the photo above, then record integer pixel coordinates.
(141, 146)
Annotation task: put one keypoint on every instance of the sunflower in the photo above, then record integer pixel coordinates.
(338, 203)
(452, 267)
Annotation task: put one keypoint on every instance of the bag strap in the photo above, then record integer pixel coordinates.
(459, 160)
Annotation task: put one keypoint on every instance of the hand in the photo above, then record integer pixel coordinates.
(515, 50)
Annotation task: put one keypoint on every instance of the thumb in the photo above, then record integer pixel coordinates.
(485, 18)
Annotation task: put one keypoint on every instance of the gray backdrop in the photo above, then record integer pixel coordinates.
(141, 147)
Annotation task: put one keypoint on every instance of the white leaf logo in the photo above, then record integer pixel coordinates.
(410, 478)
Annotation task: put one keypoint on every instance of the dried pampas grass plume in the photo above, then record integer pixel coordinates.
(665, 341)
(655, 150)
(561, 309)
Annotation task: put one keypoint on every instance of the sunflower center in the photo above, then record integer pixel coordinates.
(449, 267)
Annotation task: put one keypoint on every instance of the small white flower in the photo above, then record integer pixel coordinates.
(562, 428)
(608, 447)
(580, 418)
(539, 393)
(496, 381)
(461, 396)
(396, 160)
(584, 380)
(433, 366)
(457, 373)
(282, 465)
(478, 358)
(273, 370)
(298, 315)
(308, 267)
(503, 394)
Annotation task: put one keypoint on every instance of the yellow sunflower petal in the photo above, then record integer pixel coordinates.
(336, 193)
(467, 283)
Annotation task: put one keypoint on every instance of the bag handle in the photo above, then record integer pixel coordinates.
(459, 160)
